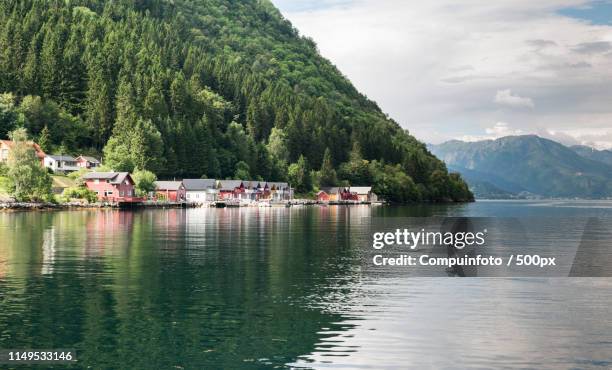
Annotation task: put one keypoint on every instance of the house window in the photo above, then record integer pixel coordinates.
(4, 154)
(120, 193)
(96, 181)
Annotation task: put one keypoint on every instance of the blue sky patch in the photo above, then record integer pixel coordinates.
(596, 12)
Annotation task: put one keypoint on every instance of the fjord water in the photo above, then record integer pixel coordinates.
(274, 287)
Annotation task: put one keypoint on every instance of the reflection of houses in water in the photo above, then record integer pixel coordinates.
(232, 227)
(48, 248)
(169, 226)
(108, 228)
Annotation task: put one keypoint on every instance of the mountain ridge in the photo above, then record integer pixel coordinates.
(604, 156)
(541, 166)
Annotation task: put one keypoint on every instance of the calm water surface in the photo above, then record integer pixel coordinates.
(276, 288)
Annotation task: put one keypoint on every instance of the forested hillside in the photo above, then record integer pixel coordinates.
(214, 88)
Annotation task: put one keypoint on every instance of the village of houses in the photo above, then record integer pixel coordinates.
(118, 188)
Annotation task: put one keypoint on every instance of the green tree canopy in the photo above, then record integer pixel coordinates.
(145, 181)
(29, 180)
(327, 174)
(299, 176)
(185, 88)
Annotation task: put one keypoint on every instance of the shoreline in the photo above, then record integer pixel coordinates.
(41, 206)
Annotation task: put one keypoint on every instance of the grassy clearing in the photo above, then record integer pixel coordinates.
(63, 182)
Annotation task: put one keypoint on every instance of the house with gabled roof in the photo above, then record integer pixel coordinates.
(231, 189)
(329, 194)
(363, 193)
(172, 191)
(7, 145)
(115, 187)
(255, 190)
(336, 194)
(61, 163)
(280, 191)
(200, 191)
(87, 162)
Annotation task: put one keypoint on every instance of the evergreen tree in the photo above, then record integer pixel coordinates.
(139, 146)
(154, 106)
(50, 61)
(30, 79)
(327, 176)
(8, 115)
(215, 81)
(44, 139)
(72, 87)
(98, 110)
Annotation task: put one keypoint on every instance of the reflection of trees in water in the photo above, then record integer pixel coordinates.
(227, 288)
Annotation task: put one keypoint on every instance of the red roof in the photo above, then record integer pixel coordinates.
(39, 152)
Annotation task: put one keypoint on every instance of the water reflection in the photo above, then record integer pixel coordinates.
(191, 288)
(275, 287)
(48, 248)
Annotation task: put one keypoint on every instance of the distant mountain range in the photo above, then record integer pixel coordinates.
(529, 166)
(604, 156)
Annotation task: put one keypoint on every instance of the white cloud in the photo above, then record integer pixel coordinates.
(433, 65)
(505, 97)
(500, 129)
(599, 138)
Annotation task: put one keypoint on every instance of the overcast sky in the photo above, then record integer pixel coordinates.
(474, 69)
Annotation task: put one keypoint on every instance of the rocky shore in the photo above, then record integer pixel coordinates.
(42, 206)
(36, 206)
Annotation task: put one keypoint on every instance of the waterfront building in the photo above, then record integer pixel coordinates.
(172, 191)
(280, 191)
(115, 187)
(200, 191)
(231, 189)
(363, 193)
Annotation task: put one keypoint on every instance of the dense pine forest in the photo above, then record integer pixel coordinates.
(201, 88)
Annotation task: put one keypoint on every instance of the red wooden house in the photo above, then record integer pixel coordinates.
(116, 187)
(323, 196)
(231, 189)
(173, 191)
(334, 194)
(347, 194)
